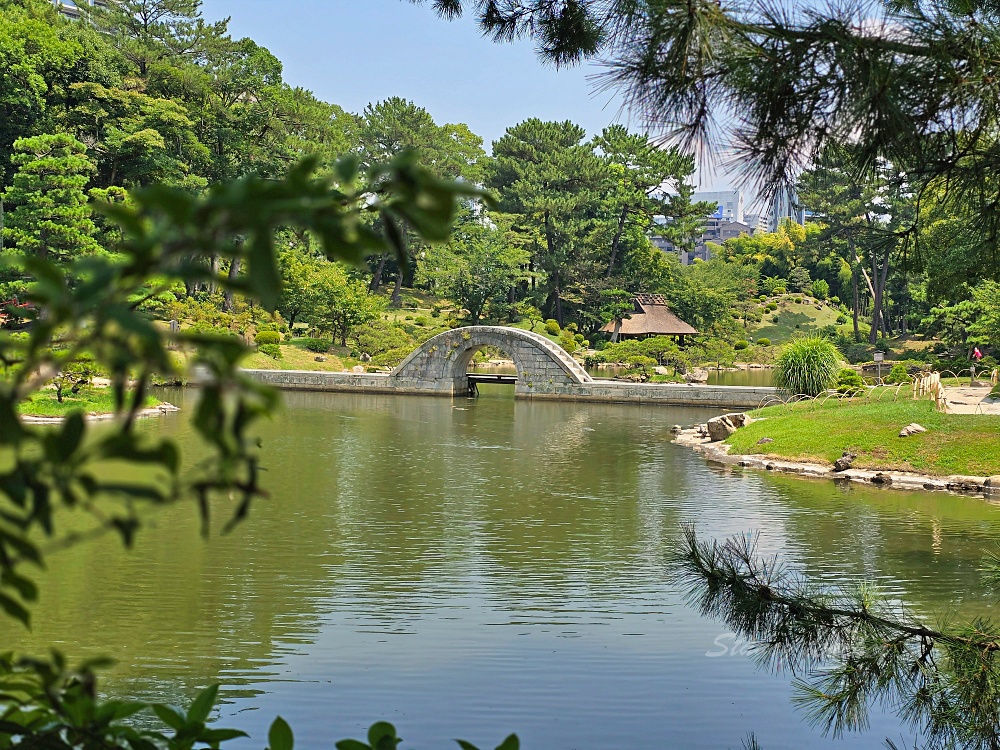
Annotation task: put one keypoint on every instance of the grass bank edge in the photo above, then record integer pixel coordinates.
(964, 444)
(89, 400)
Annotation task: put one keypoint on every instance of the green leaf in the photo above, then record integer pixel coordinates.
(352, 745)
(382, 736)
(511, 743)
(279, 736)
(202, 705)
(466, 745)
(15, 609)
(220, 735)
(169, 716)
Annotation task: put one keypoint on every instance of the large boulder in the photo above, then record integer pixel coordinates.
(720, 428)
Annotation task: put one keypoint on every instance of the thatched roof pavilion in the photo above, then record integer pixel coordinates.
(651, 317)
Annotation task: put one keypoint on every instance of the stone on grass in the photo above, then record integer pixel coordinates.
(882, 479)
(764, 440)
(844, 462)
(720, 428)
(911, 429)
(320, 358)
(358, 369)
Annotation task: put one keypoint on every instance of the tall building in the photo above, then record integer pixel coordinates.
(785, 206)
(71, 8)
(716, 232)
(729, 202)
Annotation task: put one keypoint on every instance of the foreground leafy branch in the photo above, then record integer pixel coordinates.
(89, 308)
(851, 649)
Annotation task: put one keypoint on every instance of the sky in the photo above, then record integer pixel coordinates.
(352, 52)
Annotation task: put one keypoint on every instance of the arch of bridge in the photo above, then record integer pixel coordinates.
(442, 363)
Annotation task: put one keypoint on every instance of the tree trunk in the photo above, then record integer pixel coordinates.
(555, 277)
(396, 299)
(615, 333)
(376, 282)
(880, 276)
(615, 242)
(857, 303)
(558, 293)
(234, 272)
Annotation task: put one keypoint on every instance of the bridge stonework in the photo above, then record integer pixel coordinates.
(441, 364)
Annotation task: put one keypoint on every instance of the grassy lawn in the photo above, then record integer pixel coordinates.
(89, 399)
(792, 318)
(953, 443)
(297, 357)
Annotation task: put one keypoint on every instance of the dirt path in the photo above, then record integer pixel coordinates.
(971, 400)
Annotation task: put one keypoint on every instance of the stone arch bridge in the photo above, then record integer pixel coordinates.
(441, 364)
(439, 367)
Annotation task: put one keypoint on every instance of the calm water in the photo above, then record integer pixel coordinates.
(470, 568)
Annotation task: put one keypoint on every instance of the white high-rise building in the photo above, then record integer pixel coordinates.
(729, 202)
(785, 206)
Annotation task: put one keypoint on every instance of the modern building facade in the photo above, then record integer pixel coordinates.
(71, 8)
(716, 232)
(785, 206)
(730, 203)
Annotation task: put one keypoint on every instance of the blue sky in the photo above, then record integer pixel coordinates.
(352, 52)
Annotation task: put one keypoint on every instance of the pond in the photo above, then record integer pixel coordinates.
(469, 568)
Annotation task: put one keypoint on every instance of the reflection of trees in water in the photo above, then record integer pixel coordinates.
(929, 545)
(390, 509)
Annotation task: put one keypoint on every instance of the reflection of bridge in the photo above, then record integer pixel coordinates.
(440, 366)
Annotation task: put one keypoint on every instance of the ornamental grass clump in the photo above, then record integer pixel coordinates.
(807, 366)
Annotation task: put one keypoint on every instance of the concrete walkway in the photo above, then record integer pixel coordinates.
(971, 400)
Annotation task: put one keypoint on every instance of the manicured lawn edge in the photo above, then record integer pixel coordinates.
(811, 432)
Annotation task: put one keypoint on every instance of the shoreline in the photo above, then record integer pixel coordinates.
(153, 411)
(718, 452)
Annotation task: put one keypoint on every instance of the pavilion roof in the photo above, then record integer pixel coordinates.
(651, 317)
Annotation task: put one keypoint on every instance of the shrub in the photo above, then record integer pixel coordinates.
(436, 312)
(740, 345)
(772, 306)
(421, 320)
(798, 300)
(780, 290)
(271, 350)
(841, 319)
(578, 338)
(380, 337)
(808, 366)
(820, 289)
(267, 337)
(849, 381)
(552, 327)
(898, 374)
(317, 345)
(763, 298)
(764, 342)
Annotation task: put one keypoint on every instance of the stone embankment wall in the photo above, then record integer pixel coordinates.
(667, 394)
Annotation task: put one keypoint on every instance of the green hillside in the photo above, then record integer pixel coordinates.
(793, 318)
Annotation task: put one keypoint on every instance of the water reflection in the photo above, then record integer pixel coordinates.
(473, 567)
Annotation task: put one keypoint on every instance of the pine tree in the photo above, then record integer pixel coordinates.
(47, 210)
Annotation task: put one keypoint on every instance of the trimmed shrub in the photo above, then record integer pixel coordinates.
(808, 366)
(421, 320)
(764, 342)
(552, 327)
(841, 319)
(740, 345)
(772, 306)
(780, 290)
(317, 345)
(898, 374)
(267, 337)
(849, 381)
(271, 350)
